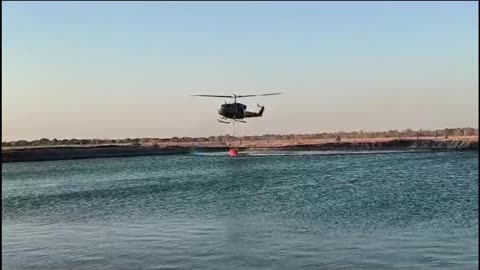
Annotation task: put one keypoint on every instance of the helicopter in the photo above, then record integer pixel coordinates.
(237, 111)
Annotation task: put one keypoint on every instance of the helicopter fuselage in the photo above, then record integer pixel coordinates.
(237, 111)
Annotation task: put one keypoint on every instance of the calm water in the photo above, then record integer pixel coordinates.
(362, 211)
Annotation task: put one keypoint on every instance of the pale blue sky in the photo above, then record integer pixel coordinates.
(126, 69)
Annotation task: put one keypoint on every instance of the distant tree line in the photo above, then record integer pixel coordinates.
(222, 138)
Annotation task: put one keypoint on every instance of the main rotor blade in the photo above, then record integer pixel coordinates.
(212, 96)
(235, 96)
(270, 94)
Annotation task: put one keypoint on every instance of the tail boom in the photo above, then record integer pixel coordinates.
(255, 114)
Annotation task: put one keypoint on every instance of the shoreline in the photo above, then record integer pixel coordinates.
(108, 151)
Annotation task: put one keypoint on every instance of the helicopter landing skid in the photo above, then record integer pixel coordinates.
(225, 122)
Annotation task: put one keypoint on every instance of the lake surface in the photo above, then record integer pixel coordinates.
(210, 211)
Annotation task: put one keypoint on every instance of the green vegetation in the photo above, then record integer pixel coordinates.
(455, 132)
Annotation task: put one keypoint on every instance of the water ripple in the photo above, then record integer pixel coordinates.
(306, 211)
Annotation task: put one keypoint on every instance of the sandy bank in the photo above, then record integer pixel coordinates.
(105, 151)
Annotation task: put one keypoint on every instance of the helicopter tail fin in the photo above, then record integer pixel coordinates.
(262, 108)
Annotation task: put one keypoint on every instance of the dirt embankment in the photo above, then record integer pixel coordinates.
(72, 152)
(75, 152)
(386, 145)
